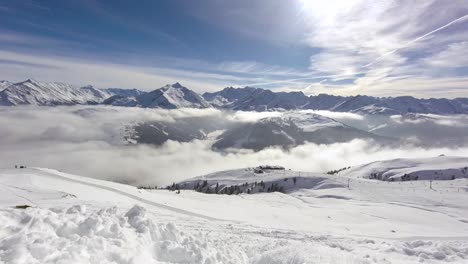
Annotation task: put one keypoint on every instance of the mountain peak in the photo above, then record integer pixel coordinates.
(32, 81)
(177, 85)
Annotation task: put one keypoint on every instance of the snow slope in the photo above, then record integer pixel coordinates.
(249, 181)
(81, 220)
(4, 84)
(168, 97)
(245, 99)
(31, 92)
(437, 168)
(291, 129)
(256, 99)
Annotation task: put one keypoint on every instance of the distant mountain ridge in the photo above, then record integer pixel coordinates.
(289, 130)
(31, 92)
(168, 97)
(256, 99)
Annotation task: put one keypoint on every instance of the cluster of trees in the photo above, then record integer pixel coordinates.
(409, 177)
(375, 176)
(464, 170)
(275, 188)
(405, 177)
(240, 188)
(233, 189)
(174, 187)
(204, 188)
(294, 179)
(336, 171)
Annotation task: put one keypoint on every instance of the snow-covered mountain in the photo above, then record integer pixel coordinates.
(289, 130)
(258, 180)
(4, 84)
(286, 130)
(255, 99)
(245, 99)
(271, 178)
(125, 92)
(31, 92)
(168, 97)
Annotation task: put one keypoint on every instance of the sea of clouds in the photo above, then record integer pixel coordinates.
(88, 141)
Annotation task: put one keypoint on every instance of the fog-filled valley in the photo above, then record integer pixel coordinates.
(158, 146)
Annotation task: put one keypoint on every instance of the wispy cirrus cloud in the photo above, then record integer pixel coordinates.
(376, 45)
(394, 51)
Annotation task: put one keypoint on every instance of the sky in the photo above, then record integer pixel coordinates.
(379, 48)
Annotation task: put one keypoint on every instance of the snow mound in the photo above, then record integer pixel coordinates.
(431, 250)
(437, 168)
(81, 235)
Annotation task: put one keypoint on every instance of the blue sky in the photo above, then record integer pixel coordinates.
(382, 48)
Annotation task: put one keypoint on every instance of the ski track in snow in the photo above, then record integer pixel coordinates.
(134, 197)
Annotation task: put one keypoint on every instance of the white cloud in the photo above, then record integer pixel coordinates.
(390, 44)
(340, 116)
(455, 55)
(251, 117)
(383, 47)
(87, 141)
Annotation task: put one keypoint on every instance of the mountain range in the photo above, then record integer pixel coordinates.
(289, 130)
(31, 92)
(168, 97)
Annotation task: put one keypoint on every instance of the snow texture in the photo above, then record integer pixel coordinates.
(74, 219)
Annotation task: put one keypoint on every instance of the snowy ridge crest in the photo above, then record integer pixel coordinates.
(244, 99)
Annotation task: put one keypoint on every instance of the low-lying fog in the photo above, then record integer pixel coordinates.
(88, 140)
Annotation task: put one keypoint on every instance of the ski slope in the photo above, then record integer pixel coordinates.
(436, 168)
(248, 180)
(75, 219)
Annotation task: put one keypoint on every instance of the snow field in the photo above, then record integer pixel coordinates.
(81, 220)
(80, 234)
